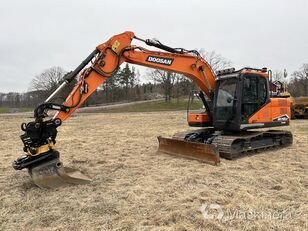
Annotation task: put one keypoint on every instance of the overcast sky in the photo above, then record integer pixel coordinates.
(38, 34)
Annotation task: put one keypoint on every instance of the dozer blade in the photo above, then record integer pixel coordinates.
(207, 153)
(53, 174)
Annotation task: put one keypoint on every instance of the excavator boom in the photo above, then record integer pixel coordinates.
(118, 49)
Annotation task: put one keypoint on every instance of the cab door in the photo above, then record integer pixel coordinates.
(254, 95)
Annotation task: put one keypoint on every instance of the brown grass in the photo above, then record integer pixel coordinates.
(134, 188)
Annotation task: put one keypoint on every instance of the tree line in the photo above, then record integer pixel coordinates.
(126, 85)
(298, 85)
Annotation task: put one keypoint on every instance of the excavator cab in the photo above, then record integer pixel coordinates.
(242, 101)
(238, 96)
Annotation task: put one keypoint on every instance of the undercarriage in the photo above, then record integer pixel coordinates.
(228, 145)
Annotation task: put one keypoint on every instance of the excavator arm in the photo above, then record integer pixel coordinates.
(118, 49)
(39, 136)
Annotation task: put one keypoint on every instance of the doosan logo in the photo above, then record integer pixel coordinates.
(159, 60)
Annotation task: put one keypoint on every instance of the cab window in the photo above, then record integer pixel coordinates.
(254, 95)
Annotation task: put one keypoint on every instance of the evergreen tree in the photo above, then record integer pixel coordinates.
(127, 79)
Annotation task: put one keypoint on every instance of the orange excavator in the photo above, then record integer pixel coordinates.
(234, 102)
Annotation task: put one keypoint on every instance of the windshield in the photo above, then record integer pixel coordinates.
(225, 98)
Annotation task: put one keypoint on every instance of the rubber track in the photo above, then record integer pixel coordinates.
(231, 147)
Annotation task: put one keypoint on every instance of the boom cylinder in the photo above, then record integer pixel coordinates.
(84, 63)
(56, 91)
(71, 76)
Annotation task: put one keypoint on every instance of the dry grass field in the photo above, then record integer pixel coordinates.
(135, 188)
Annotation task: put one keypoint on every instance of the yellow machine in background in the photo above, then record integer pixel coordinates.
(301, 107)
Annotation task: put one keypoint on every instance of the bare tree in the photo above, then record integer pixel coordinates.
(47, 81)
(166, 79)
(298, 85)
(278, 75)
(216, 61)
